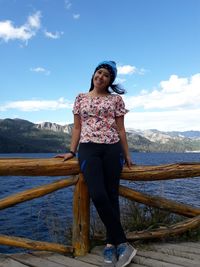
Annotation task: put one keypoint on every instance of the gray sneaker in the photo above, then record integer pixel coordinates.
(110, 257)
(125, 253)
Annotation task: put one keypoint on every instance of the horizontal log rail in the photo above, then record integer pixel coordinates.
(36, 192)
(161, 232)
(81, 216)
(35, 245)
(174, 229)
(159, 202)
(58, 167)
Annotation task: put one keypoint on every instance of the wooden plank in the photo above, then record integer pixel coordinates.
(71, 262)
(165, 258)
(151, 255)
(136, 265)
(191, 244)
(98, 260)
(92, 259)
(174, 252)
(35, 261)
(5, 261)
(152, 262)
(182, 248)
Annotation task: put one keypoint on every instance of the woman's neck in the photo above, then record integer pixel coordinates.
(96, 92)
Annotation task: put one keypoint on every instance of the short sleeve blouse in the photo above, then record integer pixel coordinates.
(97, 116)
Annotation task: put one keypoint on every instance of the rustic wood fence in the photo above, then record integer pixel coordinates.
(81, 211)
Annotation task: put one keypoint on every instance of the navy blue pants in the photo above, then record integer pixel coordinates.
(101, 165)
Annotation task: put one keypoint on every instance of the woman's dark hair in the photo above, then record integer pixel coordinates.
(114, 88)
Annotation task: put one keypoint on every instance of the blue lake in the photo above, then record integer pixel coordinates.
(47, 218)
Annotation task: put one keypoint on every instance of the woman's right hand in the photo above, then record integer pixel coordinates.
(65, 156)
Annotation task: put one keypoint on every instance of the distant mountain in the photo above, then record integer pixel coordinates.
(55, 127)
(21, 136)
(168, 141)
(187, 134)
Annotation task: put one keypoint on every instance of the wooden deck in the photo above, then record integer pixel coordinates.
(152, 255)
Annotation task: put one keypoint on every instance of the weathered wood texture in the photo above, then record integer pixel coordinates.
(36, 192)
(35, 245)
(38, 167)
(81, 218)
(151, 255)
(57, 167)
(80, 240)
(162, 232)
(159, 202)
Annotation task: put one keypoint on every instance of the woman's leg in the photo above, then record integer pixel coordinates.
(112, 166)
(92, 166)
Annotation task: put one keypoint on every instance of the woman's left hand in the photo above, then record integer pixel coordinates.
(129, 161)
(65, 156)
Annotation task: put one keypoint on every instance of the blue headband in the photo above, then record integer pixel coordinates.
(110, 66)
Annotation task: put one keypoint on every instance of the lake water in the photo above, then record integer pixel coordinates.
(47, 218)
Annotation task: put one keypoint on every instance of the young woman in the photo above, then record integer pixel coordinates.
(100, 134)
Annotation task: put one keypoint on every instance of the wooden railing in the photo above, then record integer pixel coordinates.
(81, 217)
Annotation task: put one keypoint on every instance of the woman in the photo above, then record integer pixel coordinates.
(99, 131)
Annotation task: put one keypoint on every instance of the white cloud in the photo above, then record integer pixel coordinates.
(34, 20)
(120, 80)
(173, 94)
(51, 35)
(37, 105)
(128, 70)
(76, 16)
(24, 32)
(68, 4)
(180, 120)
(41, 70)
(174, 105)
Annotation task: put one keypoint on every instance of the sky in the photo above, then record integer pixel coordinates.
(50, 48)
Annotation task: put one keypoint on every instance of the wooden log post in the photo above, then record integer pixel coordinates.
(81, 218)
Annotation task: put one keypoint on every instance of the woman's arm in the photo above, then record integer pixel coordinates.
(122, 135)
(76, 131)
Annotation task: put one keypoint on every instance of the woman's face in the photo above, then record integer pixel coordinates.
(101, 79)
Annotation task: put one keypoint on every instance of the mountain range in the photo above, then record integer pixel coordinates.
(22, 136)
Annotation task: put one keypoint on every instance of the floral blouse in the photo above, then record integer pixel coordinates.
(98, 117)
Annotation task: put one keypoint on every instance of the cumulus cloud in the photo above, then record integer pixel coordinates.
(176, 120)
(52, 35)
(76, 16)
(37, 105)
(68, 4)
(24, 32)
(128, 69)
(173, 94)
(120, 80)
(174, 105)
(40, 70)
